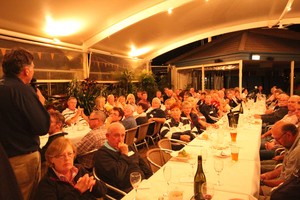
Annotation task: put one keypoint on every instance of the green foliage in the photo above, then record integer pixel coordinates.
(125, 85)
(148, 84)
(85, 92)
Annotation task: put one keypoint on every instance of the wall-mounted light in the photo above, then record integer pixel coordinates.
(255, 57)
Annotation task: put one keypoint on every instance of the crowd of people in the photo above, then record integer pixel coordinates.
(60, 170)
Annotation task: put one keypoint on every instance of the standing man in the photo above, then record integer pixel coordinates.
(22, 119)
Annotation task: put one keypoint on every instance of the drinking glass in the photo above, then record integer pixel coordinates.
(233, 133)
(208, 190)
(218, 165)
(167, 170)
(135, 180)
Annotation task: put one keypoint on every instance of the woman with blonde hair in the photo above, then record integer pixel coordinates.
(64, 180)
(130, 99)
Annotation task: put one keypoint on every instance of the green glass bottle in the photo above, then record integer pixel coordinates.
(199, 179)
(241, 108)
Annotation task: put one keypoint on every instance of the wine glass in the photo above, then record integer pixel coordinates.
(135, 180)
(208, 190)
(167, 170)
(218, 165)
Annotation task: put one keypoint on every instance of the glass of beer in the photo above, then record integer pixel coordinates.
(235, 153)
(233, 134)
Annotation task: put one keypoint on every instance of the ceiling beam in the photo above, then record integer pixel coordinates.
(162, 7)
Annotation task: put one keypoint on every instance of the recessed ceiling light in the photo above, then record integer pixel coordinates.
(61, 27)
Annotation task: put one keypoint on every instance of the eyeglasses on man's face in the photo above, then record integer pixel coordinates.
(279, 138)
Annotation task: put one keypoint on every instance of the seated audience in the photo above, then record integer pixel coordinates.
(289, 189)
(99, 104)
(129, 121)
(159, 95)
(244, 94)
(64, 180)
(57, 122)
(232, 102)
(194, 119)
(288, 136)
(277, 114)
(209, 111)
(131, 101)
(114, 161)
(290, 117)
(144, 99)
(116, 115)
(110, 103)
(140, 114)
(155, 114)
(121, 102)
(271, 105)
(93, 140)
(168, 104)
(178, 127)
(74, 115)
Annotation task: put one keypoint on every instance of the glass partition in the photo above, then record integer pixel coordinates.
(107, 67)
(51, 64)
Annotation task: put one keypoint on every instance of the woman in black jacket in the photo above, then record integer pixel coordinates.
(64, 180)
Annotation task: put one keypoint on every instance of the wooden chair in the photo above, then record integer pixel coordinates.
(130, 136)
(141, 136)
(155, 159)
(109, 187)
(155, 135)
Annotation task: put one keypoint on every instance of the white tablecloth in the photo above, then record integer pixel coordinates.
(239, 180)
(75, 134)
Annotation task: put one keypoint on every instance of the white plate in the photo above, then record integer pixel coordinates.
(222, 154)
(174, 154)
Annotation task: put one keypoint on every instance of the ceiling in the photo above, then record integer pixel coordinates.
(114, 26)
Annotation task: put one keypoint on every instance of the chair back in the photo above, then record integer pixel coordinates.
(155, 134)
(155, 159)
(157, 127)
(130, 135)
(141, 135)
(142, 132)
(86, 159)
(109, 187)
(165, 144)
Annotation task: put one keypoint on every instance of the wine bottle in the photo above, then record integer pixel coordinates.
(231, 119)
(241, 108)
(199, 179)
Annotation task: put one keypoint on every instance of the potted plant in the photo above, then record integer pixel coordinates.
(85, 92)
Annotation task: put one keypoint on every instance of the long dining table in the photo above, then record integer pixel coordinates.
(239, 180)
